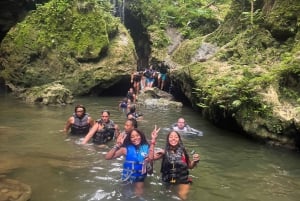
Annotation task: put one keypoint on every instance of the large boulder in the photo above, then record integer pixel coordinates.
(78, 43)
(156, 98)
(52, 93)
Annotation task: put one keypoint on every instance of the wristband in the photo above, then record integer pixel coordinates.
(153, 142)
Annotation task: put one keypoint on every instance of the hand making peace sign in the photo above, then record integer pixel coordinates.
(154, 134)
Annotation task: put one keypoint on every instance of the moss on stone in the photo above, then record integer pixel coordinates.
(254, 77)
(63, 40)
(184, 53)
(56, 28)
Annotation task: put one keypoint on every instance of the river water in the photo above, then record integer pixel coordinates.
(58, 168)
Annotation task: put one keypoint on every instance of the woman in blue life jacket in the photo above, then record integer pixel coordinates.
(138, 153)
(175, 164)
(80, 122)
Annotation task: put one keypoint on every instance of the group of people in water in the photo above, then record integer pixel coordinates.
(139, 153)
(141, 80)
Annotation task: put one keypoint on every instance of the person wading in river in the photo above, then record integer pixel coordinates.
(103, 131)
(80, 122)
(138, 153)
(175, 164)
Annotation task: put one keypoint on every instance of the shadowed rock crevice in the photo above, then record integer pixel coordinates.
(140, 37)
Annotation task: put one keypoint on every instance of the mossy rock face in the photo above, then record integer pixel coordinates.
(251, 82)
(69, 41)
(282, 19)
(52, 93)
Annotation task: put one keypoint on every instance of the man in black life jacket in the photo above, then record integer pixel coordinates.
(80, 122)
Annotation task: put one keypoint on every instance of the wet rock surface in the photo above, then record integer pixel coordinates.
(156, 98)
(13, 190)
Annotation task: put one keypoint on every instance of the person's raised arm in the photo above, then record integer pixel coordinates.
(197, 132)
(194, 161)
(117, 150)
(154, 135)
(90, 134)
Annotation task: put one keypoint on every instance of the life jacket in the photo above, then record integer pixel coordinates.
(134, 167)
(186, 128)
(163, 69)
(175, 128)
(105, 134)
(149, 73)
(174, 167)
(80, 126)
(135, 114)
(123, 104)
(137, 77)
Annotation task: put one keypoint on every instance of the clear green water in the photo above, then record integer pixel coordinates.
(58, 168)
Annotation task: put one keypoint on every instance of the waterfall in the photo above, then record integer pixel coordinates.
(119, 9)
(123, 12)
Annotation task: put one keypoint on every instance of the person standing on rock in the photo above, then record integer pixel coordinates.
(136, 81)
(150, 76)
(163, 70)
